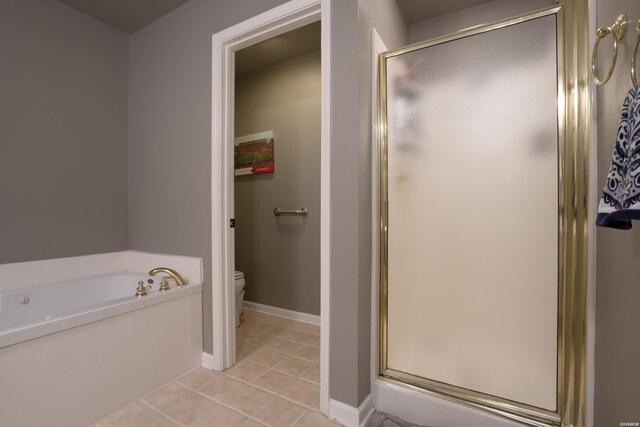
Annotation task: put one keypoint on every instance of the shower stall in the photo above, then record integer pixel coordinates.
(482, 180)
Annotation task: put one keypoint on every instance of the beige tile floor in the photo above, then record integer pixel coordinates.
(274, 383)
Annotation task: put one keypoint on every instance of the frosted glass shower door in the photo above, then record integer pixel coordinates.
(473, 212)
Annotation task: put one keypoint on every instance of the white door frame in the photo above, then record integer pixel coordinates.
(284, 18)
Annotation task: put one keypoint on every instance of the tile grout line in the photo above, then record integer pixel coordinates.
(271, 391)
(300, 417)
(162, 414)
(270, 367)
(251, 417)
(226, 405)
(220, 402)
(289, 337)
(216, 401)
(295, 357)
(288, 354)
(177, 381)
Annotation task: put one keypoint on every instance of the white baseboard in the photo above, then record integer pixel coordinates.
(366, 410)
(350, 416)
(311, 319)
(208, 361)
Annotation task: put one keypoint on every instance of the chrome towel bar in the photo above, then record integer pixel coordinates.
(301, 212)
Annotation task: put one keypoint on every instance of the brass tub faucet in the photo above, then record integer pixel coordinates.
(180, 280)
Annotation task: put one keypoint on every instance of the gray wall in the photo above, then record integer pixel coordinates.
(482, 14)
(63, 133)
(346, 319)
(351, 189)
(280, 256)
(385, 17)
(170, 131)
(617, 396)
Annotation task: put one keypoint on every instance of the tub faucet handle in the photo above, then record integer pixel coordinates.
(164, 285)
(141, 290)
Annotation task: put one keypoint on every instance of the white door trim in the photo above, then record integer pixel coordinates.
(281, 19)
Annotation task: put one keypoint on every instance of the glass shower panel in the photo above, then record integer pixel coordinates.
(473, 212)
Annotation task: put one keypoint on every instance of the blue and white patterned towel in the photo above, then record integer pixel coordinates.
(620, 202)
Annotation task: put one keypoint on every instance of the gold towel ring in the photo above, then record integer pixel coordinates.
(634, 54)
(617, 31)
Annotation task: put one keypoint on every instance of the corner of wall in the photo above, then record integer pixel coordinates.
(350, 416)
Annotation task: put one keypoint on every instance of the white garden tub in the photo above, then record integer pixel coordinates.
(31, 313)
(73, 352)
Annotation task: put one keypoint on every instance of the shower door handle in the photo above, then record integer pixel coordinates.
(300, 212)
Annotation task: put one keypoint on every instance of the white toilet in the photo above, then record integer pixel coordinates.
(239, 285)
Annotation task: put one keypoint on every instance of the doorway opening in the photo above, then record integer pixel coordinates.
(277, 175)
(277, 208)
(245, 57)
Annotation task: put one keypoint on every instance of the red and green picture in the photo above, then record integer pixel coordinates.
(254, 154)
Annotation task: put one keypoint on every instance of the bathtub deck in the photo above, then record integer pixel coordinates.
(275, 383)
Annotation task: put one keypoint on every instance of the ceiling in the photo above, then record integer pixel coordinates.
(414, 11)
(125, 15)
(131, 15)
(277, 49)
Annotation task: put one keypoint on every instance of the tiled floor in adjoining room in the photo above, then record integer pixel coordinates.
(274, 383)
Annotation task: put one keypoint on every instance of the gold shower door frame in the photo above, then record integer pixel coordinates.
(573, 157)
